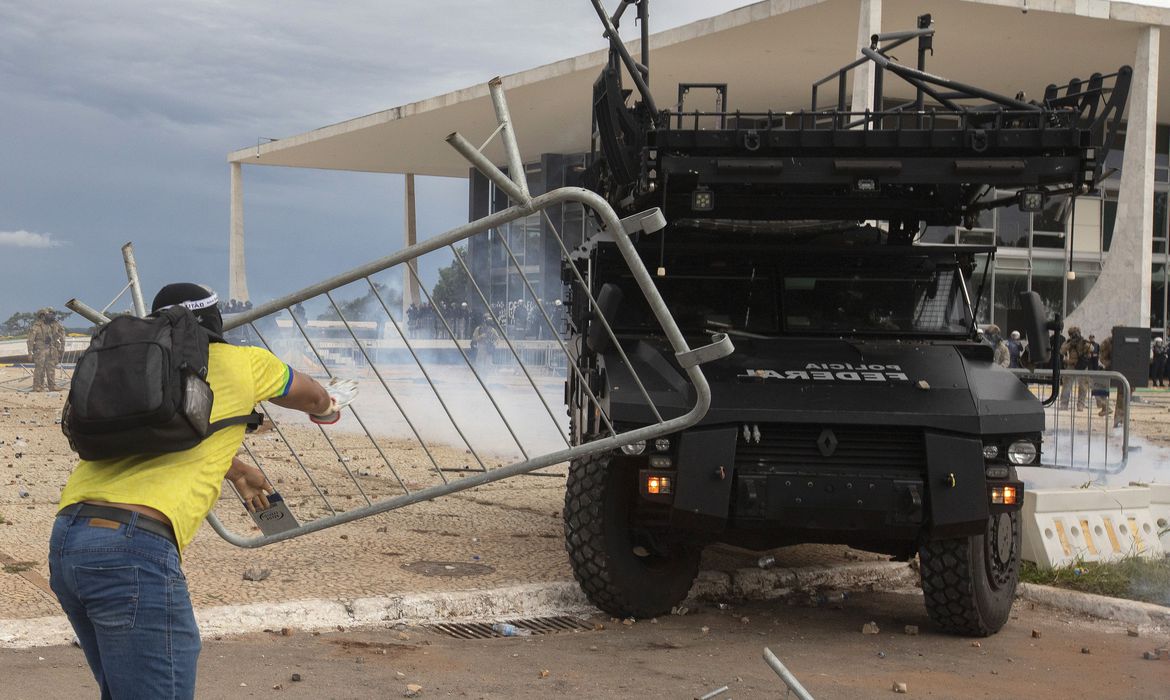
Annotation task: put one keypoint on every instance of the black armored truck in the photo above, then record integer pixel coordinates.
(861, 405)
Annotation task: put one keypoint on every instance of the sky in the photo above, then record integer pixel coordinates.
(118, 117)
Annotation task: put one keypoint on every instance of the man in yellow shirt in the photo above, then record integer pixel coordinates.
(123, 523)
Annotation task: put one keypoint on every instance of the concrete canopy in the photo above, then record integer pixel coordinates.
(769, 53)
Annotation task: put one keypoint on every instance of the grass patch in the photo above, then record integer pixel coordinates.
(1133, 578)
(18, 566)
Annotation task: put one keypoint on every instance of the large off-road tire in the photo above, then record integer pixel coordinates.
(621, 570)
(970, 583)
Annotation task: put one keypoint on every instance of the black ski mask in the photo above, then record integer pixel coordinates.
(202, 301)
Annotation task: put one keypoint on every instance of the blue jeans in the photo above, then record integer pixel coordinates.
(127, 600)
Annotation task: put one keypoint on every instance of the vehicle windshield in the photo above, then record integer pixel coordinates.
(850, 295)
(875, 303)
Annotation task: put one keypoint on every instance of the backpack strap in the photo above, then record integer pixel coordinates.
(252, 420)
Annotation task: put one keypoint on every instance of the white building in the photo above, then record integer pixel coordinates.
(1104, 266)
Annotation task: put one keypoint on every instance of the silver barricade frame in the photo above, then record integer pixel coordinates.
(523, 205)
(1072, 437)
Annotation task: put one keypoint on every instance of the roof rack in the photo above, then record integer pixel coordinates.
(937, 158)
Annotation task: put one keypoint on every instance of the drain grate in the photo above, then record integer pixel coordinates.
(533, 625)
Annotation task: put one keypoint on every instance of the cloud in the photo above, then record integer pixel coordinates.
(28, 239)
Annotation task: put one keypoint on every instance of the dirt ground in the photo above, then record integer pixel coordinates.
(511, 532)
(1041, 654)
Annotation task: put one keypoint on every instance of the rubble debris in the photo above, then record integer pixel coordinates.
(413, 690)
(255, 573)
(870, 628)
(544, 673)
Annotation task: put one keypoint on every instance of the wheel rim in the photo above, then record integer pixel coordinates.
(1001, 540)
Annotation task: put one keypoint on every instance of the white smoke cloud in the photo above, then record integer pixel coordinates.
(28, 239)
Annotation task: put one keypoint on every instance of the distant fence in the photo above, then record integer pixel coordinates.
(1087, 427)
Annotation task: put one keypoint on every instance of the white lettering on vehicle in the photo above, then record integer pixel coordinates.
(833, 372)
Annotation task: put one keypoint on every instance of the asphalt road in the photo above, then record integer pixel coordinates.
(1038, 655)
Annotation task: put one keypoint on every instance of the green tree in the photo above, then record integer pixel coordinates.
(363, 307)
(20, 322)
(453, 286)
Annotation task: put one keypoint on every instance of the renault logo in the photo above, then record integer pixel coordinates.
(827, 443)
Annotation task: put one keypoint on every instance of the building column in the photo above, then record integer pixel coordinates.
(868, 23)
(410, 292)
(237, 276)
(1121, 295)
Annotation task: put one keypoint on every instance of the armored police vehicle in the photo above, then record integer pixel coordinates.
(859, 406)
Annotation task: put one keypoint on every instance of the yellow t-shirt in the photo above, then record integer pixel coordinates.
(185, 485)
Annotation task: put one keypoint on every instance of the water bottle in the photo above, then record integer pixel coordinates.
(508, 630)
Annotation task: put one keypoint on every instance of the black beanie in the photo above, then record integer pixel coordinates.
(202, 301)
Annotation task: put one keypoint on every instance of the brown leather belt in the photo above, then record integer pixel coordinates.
(121, 515)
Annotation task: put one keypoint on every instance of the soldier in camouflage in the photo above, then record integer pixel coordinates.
(46, 345)
(1075, 351)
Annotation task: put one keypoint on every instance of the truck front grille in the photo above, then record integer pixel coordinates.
(768, 447)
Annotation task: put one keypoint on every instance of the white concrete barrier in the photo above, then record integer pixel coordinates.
(1160, 510)
(1062, 526)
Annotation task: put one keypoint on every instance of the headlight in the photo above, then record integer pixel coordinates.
(1022, 452)
(634, 448)
(990, 451)
(661, 445)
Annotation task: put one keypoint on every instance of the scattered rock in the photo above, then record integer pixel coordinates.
(544, 673)
(911, 630)
(704, 629)
(745, 620)
(881, 654)
(278, 687)
(899, 688)
(628, 621)
(255, 573)
(1133, 632)
(285, 632)
(977, 644)
(870, 628)
(413, 690)
(403, 636)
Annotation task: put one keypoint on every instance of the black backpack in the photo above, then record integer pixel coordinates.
(141, 388)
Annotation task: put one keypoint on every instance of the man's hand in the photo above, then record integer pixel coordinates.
(251, 484)
(341, 393)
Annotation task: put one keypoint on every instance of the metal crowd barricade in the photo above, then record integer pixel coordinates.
(1087, 427)
(436, 406)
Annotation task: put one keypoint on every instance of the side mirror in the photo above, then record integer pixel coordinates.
(1036, 328)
